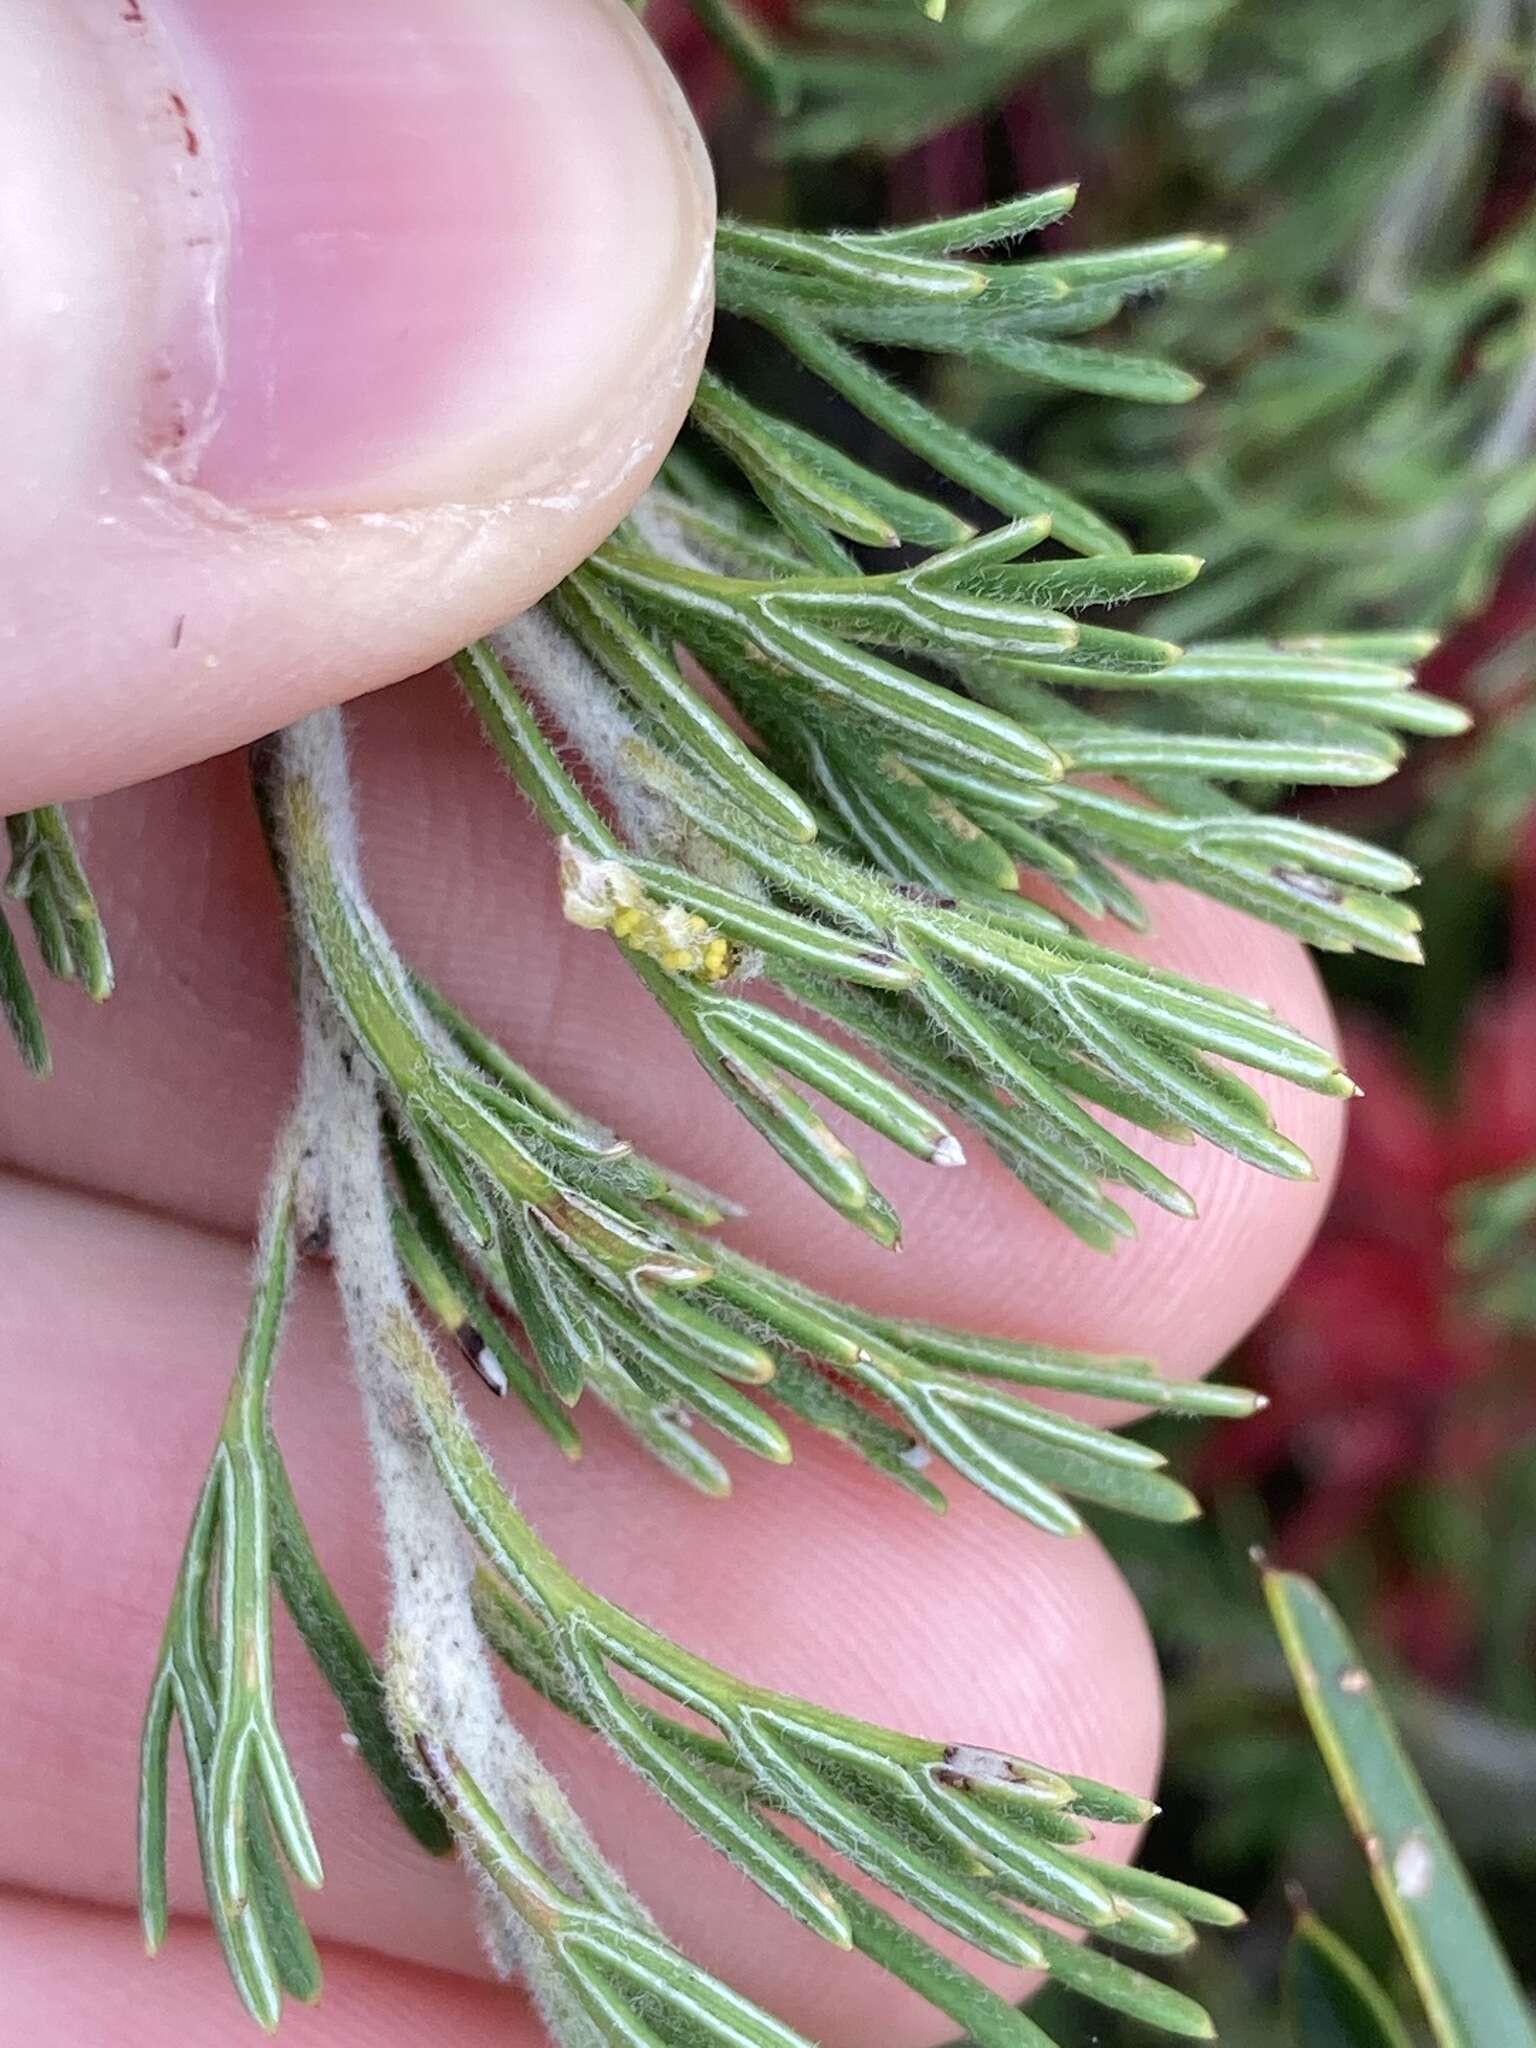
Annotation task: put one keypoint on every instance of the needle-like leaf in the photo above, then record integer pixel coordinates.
(1462, 1975)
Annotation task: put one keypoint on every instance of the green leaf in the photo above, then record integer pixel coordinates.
(800, 1136)
(829, 486)
(950, 450)
(18, 1004)
(1115, 1985)
(725, 620)
(1331, 1998)
(215, 1676)
(668, 1369)
(47, 876)
(837, 1074)
(788, 1770)
(873, 262)
(546, 1297)
(952, 1827)
(438, 1277)
(1462, 1975)
(655, 1421)
(989, 2020)
(513, 731)
(751, 49)
(816, 1400)
(754, 922)
(792, 1879)
(569, 1127)
(1175, 1902)
(986, 228)
(343, 1660)
(651, 680)
(646, 1995)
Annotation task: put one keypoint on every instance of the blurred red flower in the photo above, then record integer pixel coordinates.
(1378, 1371)
(703, 72)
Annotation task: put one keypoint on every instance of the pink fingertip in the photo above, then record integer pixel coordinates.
(412, 241)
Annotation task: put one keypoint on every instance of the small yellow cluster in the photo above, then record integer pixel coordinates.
(603, 895)
(696, 950)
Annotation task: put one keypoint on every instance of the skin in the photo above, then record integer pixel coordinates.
(128, 1183)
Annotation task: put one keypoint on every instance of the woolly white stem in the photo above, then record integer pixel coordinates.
(664, 535)
(439, 1672)
(575, 693)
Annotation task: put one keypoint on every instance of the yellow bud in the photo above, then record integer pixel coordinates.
(624, 922)
(676, 958)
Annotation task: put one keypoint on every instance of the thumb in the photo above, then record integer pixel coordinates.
(336, 331)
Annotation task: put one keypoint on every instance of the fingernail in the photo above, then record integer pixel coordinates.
(414, 248)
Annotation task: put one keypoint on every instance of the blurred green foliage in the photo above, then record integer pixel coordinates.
(1361, 458)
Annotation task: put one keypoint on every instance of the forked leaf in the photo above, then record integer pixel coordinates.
(650, 678)
(47, 876)
(663, 1426)
(215, 1677)
(788, 1876)
(829, 486)
(547, 1300)
(442, 1281)
(639, 1991)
